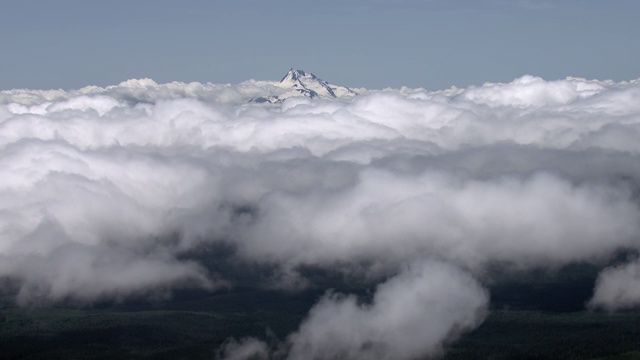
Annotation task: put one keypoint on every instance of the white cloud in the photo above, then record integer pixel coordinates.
(411, 316)
(390, 217)
(617, 288)
(245, 349)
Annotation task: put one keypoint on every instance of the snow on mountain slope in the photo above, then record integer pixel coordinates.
(300, 83)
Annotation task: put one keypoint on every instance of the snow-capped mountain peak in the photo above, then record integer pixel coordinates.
(300, 83)
(306, 84)
(295, 75)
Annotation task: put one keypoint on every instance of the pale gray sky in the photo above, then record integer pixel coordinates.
(359, 43)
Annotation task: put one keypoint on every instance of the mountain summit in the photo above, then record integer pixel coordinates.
(295, 76)
(300, 83)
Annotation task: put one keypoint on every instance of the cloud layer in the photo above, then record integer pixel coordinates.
(107, 193)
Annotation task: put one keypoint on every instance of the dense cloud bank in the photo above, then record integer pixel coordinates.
(107, 192)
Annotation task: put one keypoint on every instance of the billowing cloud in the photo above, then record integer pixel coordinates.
(111, 192)
(388, 217)
(618, 288)
(411, 316)
(245, 349)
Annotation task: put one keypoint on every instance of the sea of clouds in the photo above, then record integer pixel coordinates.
(106, 193)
